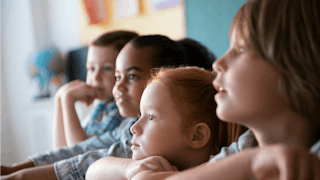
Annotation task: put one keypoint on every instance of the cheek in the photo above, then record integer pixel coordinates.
(137, 93)
(88, 78)
(256, 97)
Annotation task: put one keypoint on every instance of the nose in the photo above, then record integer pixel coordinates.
(97, 75)
(136, 128)
(219, 65)
(120, 85)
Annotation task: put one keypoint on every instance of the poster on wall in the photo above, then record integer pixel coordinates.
(161, 4)
(95, 10)
(126, 8)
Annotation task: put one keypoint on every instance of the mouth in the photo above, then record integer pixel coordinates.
(121, 99)
(134, 145)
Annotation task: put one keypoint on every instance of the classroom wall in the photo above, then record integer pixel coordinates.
(27, 25)
(208, 21)
(169, 21)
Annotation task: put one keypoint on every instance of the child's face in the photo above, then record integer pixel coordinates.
(247, 85)
(132, 72)
(100, 69)
(159, 129)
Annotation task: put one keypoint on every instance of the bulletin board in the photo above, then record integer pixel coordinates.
(169, 21)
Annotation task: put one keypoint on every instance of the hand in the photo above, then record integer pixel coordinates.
(285, 163)
(64, 88)
(153, 163)
(78, 91)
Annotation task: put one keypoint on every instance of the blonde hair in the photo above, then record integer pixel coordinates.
(286, 33)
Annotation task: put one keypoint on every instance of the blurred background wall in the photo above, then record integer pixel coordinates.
(29, 25)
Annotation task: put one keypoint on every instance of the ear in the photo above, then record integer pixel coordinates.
(200, 135)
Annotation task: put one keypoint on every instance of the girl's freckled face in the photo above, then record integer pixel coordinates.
(159, 129)
(249, 83)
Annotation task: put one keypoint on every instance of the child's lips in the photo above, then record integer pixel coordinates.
(134, 145)
(121, 99)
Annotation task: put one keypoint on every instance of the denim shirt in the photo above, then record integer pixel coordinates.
(247, 140)
(93, 124)
(72, 163)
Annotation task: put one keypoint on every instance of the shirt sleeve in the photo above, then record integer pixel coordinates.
(96, 142)
(246, 140)
(76, 167)
(72, 163)
(315, 149)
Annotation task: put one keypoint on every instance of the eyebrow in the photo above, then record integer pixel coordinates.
(133, 68)
(150, 107)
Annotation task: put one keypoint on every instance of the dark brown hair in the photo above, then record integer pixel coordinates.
(192, 93)
(286, 33)
(115, 38)
(165, 52)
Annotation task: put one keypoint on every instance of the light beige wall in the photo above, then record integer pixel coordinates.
(169, 21)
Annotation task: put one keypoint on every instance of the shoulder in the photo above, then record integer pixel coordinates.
(315, 149)
(246, 140)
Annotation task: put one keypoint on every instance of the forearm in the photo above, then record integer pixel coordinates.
(58, 136)
(108, 168)
(16, 167)
(35, 173)
(150, 175)
(72, 127)
(234, 167)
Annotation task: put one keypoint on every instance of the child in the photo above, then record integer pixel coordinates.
(268, 80)
(104, 116)
(133, 66)
(178, 123)
(198, 54)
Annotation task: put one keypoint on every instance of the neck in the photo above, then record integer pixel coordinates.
(288, 128)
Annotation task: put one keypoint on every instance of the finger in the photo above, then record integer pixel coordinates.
(165, 164)
(97, 93)
(175, 168)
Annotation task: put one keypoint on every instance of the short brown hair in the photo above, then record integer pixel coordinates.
(116, 38)
(286, 33)
(192, 93)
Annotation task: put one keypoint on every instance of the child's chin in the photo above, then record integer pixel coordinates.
(137, 157)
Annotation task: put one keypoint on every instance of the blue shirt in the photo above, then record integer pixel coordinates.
(95, 124)
(72, 163)
(247, 140)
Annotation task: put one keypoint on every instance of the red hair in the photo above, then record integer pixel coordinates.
(192, 94)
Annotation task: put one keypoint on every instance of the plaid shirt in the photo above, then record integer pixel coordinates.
(72, 163)
(93, 122)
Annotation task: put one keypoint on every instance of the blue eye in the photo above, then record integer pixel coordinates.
(133, 76)
(150, 117)
(117, 78)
